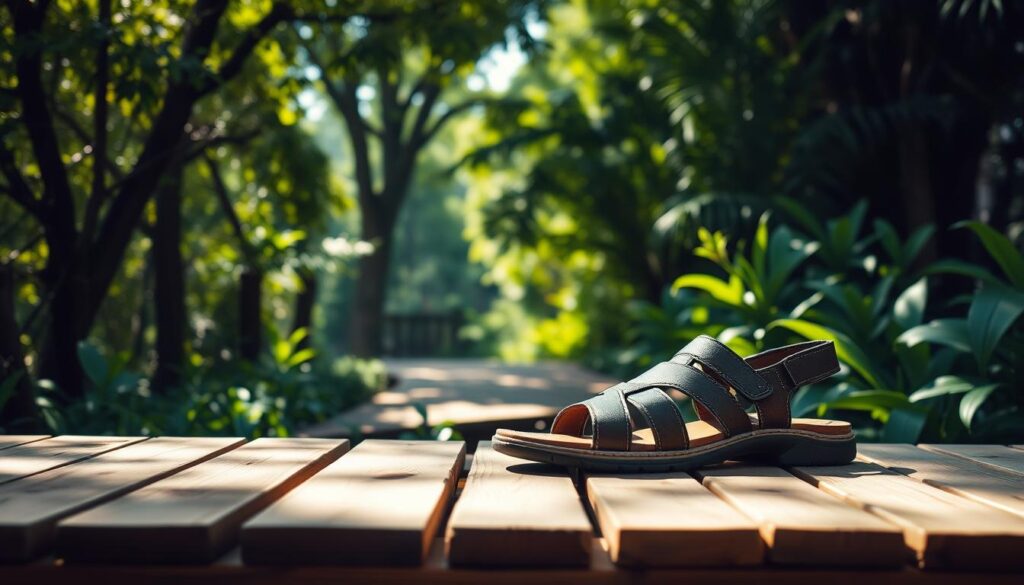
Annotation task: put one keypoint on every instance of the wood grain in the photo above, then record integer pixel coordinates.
(963, 477)
(997, 456)
(39, 456)
(802, 525)
(194, 516)
(670, 520)
(31, 507)
(516, 513)
(381, 503)
(945, 530)
(7, 441)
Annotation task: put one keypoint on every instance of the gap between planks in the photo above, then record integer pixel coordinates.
(517, 513)
(944, 530)
(35, 457)
(382, 503)
(194, 516)
(963, 477)
(31, 507)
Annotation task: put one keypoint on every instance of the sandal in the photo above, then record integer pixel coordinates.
(636, 427)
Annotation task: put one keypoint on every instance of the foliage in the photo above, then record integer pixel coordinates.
(273, 397)
(948, 377)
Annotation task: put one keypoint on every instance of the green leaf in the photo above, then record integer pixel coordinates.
(93, 363)
(1001, 249)
(846, 350)
(904, 425)
(760, 245)
(942, 386)
(952, 266)
(730, 293)
(298, 335)
(878, 402)
(947, 332)
(300, 357)
(908, 310)
(916, 242)
(972, 401)
(994, 310)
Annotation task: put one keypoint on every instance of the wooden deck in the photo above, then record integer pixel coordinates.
(220, 510)
(472, 393)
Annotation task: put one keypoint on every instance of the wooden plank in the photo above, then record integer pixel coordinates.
(7, 441)
(39, 456)
(435, 571)
(516, 513)
(670, 520)
(946, 531)
(997, 456)
(380, 504)
(194, 516)
(31, 507)
(963, 477)
(802, 525)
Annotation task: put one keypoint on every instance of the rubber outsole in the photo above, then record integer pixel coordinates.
(773, 447)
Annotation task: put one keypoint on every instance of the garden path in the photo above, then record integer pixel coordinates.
(474, 394)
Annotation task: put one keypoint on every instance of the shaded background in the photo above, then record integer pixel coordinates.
(215, 216)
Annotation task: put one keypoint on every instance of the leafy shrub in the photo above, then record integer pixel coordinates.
(279, 394)
(912, 369)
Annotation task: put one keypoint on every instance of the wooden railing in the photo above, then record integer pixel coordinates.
(422, 334)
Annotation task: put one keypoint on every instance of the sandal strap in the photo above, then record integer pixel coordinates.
(663, 418)
(716, 356)
(608, 416)
(788, 368)
(716, 405)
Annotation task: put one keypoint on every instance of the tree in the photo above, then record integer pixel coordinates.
(411, 70)
(165, 65)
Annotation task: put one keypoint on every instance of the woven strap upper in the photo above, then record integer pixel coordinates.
(719, 382)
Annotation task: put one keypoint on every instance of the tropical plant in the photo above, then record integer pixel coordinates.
(949, 377)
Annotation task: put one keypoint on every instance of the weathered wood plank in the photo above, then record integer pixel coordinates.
(39, 456)
(7, 441)
(670, 520)
(31, 507)
(946, 531)
(963, 477)
(516, 513)
(381, 503)
(194, 516)
(801, 524)
(997, 456)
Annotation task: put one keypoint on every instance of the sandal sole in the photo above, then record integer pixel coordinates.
(773, 447)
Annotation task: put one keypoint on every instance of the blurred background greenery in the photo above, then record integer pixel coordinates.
(215, 216)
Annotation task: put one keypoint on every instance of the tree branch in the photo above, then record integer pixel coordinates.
(344, 98)
(453, 111)
(279, 12)
(17, 188)
(220, 189)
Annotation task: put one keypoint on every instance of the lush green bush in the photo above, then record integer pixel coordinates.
(287, 389)
(913, 369)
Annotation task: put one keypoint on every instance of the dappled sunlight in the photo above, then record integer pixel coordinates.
(468, 391)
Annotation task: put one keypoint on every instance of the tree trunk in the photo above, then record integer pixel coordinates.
(368, 306)
(19, 412)
(65, 326)
(169, 284)
(304, 303)
(250, 323)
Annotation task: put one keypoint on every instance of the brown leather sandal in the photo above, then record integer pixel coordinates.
(636, 426)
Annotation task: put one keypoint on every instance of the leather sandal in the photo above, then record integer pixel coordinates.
(636, 426)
